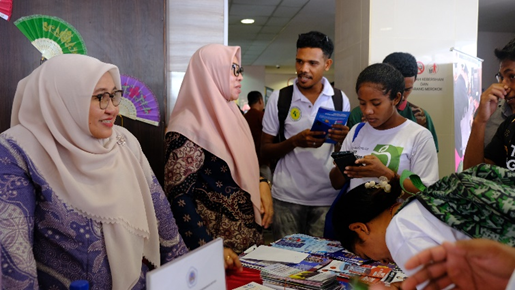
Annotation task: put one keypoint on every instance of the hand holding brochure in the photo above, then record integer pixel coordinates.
(325, 119)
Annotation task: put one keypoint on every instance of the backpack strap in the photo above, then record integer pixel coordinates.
(284, 103)
(283, 106)
(337, 100)
(358, 128)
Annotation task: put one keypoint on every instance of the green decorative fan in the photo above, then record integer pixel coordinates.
(51, 35)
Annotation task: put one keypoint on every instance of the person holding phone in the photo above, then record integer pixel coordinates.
(407, 65)
(387, 143)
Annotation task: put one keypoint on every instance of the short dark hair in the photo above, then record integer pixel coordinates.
(507, 52)
(361, 205)
(385, 75)
(315, 39)
(254, 97)
(404, 62)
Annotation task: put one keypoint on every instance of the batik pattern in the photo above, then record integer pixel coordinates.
(205, 200)
(47, 244)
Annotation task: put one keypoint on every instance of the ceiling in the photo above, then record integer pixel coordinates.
(270, 41)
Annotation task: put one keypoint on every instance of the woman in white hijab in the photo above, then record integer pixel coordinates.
(78, 199)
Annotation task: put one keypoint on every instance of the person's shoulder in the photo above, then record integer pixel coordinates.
(274, 96)
(510, 119)
(509, 122)
(122, 134)
(123, 131)
(416, 127)
(356, 111)
(253, 113)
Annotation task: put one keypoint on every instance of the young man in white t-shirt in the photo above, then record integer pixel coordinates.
(302, 191)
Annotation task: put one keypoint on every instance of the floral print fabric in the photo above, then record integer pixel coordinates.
(205, 200)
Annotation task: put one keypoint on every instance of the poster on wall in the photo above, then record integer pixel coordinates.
(467, 94)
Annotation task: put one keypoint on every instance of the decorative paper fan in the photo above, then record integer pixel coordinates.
(138, 102)
(51, 35)
(6, 8)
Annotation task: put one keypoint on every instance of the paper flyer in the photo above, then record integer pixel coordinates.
(325, 119)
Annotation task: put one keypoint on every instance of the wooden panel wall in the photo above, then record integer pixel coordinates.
(129, 34)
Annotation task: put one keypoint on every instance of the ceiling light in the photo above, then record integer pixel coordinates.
(247, 21)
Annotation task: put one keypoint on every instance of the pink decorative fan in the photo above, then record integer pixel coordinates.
(138, 102)
(6, 8)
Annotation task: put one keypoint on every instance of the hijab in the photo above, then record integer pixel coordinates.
(206, 115)
(106, 180)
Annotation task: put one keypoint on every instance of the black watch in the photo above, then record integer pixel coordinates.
(267, 181)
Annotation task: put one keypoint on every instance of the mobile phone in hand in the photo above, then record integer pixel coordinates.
(344, 159)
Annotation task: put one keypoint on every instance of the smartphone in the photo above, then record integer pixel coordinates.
(344, 159)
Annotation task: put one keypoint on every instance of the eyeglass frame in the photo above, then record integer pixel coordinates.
(238, 71)
(112, 95)
(499, 77)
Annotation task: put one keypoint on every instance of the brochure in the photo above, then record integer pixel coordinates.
(253, 286)
(325, 119)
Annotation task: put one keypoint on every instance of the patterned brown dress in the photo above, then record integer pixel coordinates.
(205, 200)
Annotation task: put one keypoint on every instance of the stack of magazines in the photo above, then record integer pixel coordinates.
(344, 264)
(280, 276)
(312, 262)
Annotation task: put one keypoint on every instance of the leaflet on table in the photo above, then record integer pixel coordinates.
(253, 286)
(266, 253)
(308, 244)
(325, 119)
(312, 262)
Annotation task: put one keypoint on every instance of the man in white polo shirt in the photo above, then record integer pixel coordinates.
(302, 190)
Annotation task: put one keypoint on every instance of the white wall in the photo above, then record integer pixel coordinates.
(253, 80)
(486, 43)
(189, 26)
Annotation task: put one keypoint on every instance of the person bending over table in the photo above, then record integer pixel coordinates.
(370, 222)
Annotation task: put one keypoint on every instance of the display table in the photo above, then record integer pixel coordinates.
(320, 258)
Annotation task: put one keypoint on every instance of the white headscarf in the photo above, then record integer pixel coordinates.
(106, 180)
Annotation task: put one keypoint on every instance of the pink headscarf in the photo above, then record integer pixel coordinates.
(106, 180)
(206, 115)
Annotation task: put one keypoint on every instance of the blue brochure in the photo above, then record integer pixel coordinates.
(326, 118)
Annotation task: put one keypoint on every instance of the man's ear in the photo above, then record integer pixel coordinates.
(398, 98)
(361, 229)
(328, 63)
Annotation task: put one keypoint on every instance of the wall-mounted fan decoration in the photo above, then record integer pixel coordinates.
(6, 8)
(138, 102)
(51, 35)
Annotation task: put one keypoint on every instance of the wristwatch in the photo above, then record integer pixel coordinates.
(267, 181)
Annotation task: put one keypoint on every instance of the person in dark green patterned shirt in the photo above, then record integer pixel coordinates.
(407, 65)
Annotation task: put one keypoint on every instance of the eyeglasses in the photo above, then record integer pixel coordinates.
(103, 98)
(237, 69)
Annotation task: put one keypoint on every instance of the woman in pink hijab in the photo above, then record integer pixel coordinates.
(212, 174)
(78, 199)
